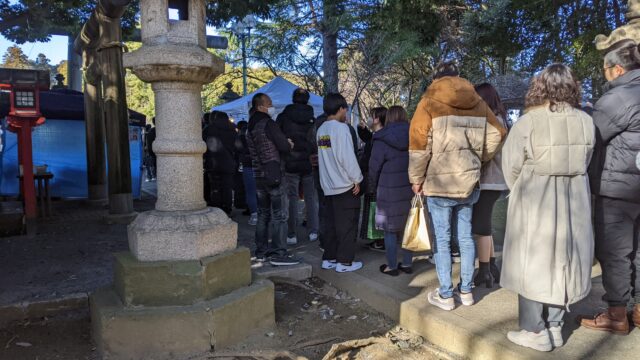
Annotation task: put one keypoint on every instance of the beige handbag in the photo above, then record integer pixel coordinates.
(416, 232)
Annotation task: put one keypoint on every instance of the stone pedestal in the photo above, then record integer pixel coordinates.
(173, 309)
(183, 288)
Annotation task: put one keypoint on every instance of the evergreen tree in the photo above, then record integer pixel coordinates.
(15, 58)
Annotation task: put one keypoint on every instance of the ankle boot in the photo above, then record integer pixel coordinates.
(495, 271)
(484, 276)
(636, 315)
(614, 320)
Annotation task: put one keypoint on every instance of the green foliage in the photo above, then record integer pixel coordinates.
(139, 94)
(36, 20)
(15, 58)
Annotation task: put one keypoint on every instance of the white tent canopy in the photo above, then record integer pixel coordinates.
(279, 90)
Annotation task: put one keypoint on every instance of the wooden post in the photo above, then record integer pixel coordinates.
(114, 107)
(95, 129)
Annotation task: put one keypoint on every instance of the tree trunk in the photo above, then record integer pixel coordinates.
(330, 45)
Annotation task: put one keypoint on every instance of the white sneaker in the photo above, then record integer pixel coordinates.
(329, 264)
(537, 341)
(356, 265)
(465, 298)
(313, 236)
(435, 299)
(292, 240)
(253, 219)
(556, 336)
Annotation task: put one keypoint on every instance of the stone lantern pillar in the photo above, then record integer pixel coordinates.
(183, 288)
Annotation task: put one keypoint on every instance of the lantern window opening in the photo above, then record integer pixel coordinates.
(25, 99)
(178, 10)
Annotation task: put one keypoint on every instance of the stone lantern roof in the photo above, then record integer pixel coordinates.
(512, 89)
(229, 95)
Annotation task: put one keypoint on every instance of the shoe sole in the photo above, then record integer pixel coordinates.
(615, 332)
(530, 346)
(439, 305)
(330, 267)
(465, 303)
(284, 263)
(347, 270)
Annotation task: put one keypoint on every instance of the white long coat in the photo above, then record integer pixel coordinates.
(548, 247)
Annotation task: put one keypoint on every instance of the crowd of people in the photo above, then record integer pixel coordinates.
(461, 154)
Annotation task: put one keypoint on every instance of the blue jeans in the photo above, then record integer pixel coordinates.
(446, 213)
(272, 209)
(250, 189)
(310, 202)
(391, 246)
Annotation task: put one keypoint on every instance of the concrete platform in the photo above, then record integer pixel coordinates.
(166, 332)
(476, 332)
(298, 272)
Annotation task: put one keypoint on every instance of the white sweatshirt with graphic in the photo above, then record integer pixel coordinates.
(338, 166)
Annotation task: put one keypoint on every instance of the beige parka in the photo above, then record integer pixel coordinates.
(548, 248)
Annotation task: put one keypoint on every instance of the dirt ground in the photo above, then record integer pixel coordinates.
(71, 253)
(311, 317)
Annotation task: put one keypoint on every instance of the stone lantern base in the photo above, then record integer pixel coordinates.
(170, 309)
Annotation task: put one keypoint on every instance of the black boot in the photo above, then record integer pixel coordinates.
(484, 276)
(495, 271)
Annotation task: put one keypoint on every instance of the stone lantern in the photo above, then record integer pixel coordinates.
(229, 95)
(184, 288)
(631, 30)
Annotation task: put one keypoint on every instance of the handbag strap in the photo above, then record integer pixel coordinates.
(417, 200)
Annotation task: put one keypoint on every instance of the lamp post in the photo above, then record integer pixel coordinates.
(242, 29)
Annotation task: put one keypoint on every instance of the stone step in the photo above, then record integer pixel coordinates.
(297, 272)
(164, 332)
(473, 332)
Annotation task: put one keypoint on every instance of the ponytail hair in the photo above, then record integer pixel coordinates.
(625, 53)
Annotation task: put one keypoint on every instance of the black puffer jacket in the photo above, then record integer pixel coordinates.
(295, 121)
(220, 155)
(615, 168)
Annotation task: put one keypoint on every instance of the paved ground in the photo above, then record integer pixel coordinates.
(478, 331)
(71, 254)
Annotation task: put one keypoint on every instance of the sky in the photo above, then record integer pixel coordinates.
(55, 49)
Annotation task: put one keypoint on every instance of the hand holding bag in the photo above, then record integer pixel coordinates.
(416, 231)
(372, 232)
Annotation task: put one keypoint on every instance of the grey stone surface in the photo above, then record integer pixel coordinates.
(170, 332)
(174, 59)
(298, 272)
(191, 235)
(39, 309)
(472, 332)
(161, 283)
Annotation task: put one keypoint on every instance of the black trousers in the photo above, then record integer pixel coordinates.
(617, 227)
(341, 227)
(219, 187)
(322, 208)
